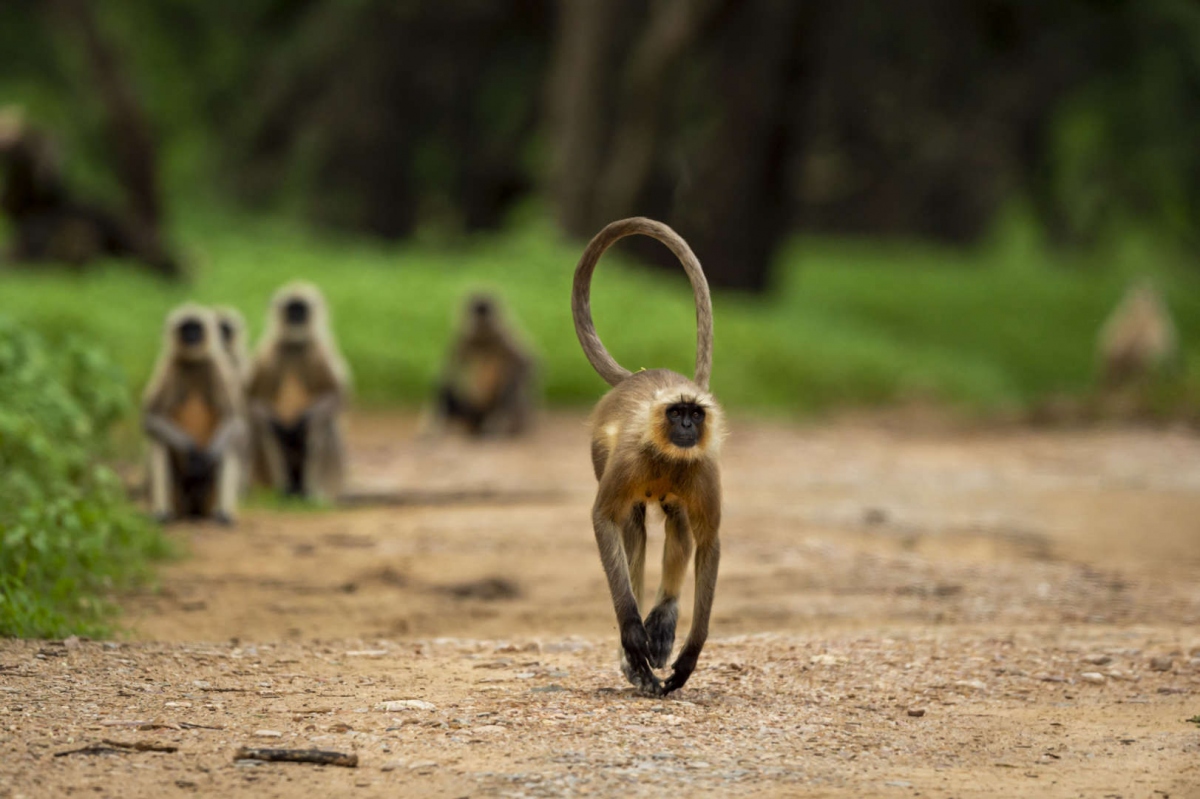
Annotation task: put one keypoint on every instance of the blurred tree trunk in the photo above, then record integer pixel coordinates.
(582, 68)
(129, 135)
(735, 210)
(670, 34)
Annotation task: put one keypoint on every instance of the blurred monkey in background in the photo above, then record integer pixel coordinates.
(1138, 339)
(297, 389)
(488, 383)
(192, 412)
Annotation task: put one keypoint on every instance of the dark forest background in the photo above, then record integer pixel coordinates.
(739, 123)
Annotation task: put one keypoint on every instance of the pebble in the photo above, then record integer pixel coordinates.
(488, 729)
(395, 705)
(975, 685)
(916, 712)
(392, 765)
(897, 784)
(1099, 659)
(268, 734)
(421, 764)
(1094, 677)
(1161, 663)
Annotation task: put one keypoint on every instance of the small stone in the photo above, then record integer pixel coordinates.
(202, 684)
(421, 765)
(392, 765)
(916, 712)
(488, 729)
(1094, 677)
(1099, 659)
(897, 784)
(268, 734)
(396, 705)
(974, 685)
(1161, 663)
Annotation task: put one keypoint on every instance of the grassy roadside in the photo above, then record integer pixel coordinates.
(68, 534)
(852, 323)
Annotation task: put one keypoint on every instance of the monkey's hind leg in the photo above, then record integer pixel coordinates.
(661, 622)
(229, 486)
(162, 481)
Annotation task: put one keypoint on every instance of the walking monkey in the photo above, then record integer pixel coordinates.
(297, 388)
(192, 412)
(655, 438)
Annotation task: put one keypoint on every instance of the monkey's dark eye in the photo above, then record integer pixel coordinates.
(672, 413)
(226, 331)
(698, 415)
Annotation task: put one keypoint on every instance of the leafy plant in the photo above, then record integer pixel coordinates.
(68, 535)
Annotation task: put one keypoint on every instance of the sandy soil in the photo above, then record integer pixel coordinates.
(931, 613)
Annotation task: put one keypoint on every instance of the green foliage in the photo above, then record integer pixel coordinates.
(67, 533)
(851, 323)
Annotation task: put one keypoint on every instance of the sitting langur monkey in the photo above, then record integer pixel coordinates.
(296, 391)
(488, 381)
(192, 411)
(655, 438)
(1138, 339)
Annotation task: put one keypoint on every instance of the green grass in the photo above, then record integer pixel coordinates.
(853, 323)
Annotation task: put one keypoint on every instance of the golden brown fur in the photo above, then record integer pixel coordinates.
(192, 413)
(300, 382)
(639, 459)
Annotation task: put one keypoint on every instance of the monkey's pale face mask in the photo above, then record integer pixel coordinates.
(686, 424)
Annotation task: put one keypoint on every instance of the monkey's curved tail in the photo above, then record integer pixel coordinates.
(581, 304)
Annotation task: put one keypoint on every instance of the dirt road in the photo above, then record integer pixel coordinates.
(1006, 613)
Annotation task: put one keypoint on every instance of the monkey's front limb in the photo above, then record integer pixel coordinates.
(229, 431)
(635, 643)
(323, 409)
(677, 550)
(167, 433)
(708, 560)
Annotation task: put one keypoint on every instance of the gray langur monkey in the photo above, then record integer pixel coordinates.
(192, 413)
(297, 388)
(655, 439)
(1138, 339)
(488, 383)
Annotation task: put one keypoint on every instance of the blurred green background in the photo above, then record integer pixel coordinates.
(935, 201)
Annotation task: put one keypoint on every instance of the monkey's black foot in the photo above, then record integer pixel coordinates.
(222, 518)
(660, 627)
(683, 667)
(635, 659)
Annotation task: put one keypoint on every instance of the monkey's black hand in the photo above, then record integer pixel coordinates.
(683, 667)
(636, 663)
(660, 627)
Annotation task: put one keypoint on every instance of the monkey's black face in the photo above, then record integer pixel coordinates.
(190, 332)
(296, 312)
(481, 308)
(687, 424)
